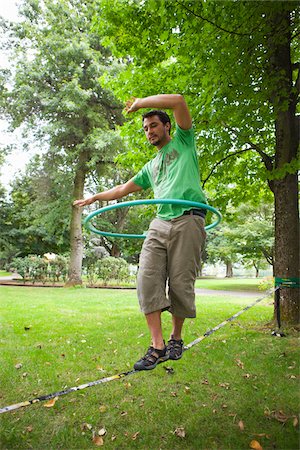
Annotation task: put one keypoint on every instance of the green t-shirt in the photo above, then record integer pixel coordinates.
(173, 173)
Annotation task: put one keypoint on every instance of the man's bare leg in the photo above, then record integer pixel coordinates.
(177, 327)
(157, 353)
(154, 325)
(175, 344)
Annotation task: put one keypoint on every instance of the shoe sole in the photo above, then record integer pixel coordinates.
(175, 359)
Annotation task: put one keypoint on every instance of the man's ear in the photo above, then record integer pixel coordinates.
(168, 126)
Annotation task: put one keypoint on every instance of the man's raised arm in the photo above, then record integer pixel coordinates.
(176, 102)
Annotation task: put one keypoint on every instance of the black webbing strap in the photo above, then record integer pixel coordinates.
(277, 307)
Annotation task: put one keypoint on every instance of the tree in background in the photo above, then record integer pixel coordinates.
(245, 236)
(36, 222)
(54, 89)
(237, 63)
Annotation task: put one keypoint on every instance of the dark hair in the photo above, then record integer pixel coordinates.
(163, 116)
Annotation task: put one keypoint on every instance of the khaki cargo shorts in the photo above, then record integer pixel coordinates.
(170, 261)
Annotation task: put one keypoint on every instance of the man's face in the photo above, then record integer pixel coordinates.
(156, 132)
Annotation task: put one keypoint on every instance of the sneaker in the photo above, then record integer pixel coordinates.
(151, 359)
(175, 348)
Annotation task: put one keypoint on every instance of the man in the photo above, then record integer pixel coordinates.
(172, 250)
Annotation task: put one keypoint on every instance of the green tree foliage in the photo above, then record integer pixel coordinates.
(54, 90)
(245, 236)
(36, 218)
(237, 63)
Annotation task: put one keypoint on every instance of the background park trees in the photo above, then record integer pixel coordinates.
(238, 66)
(237, 63)
(245, 236)
(53, 89)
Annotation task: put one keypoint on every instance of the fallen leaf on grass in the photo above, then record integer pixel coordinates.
(29, 429)
(18, 366)
(180, 432)
(205, 382)
(224, 385)
(239, 363)
(169, 370)
(102, 432)
(85, 426)
(278, 415)
(27, 327)
(241, 425)
(295, 421)
(267, 436)
(51, 403)
(98, 440)
(255, 445)
(135, 435)
(187, 389)
(102, 408)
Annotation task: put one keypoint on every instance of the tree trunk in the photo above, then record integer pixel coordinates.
(285, 184)
(75, 266)
(115, 251)
(229, 269)
(287, 245)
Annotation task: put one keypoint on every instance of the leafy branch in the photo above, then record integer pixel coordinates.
(221, 161)
(211, 22)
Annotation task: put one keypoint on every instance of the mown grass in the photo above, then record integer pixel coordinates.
(229, 284)
(239, 377)
(3, 273)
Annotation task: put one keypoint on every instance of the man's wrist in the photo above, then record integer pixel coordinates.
(94, 198)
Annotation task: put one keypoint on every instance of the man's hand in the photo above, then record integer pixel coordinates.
(132, 105)
(83, 202)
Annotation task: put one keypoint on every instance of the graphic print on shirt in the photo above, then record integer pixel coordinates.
(161, 164)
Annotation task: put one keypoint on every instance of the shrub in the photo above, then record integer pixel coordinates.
(38, 268)
(111, 268)
(266, 284)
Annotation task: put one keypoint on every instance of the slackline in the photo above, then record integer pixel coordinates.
(122, 375)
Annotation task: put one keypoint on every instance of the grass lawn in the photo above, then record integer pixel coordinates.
(237, 386)
(3, 273)
(229, 284)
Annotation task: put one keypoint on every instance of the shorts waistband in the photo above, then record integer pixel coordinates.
(195, 212)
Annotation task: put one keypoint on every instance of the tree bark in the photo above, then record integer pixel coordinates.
(285, 184)
(287, 245)
(76, 244)
(229, 269)
(256, 267)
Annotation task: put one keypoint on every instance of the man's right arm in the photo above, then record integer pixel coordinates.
(112, 194)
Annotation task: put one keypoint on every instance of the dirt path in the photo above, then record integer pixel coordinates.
(231, 293)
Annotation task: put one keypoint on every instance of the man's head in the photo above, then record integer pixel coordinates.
(157, 127)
